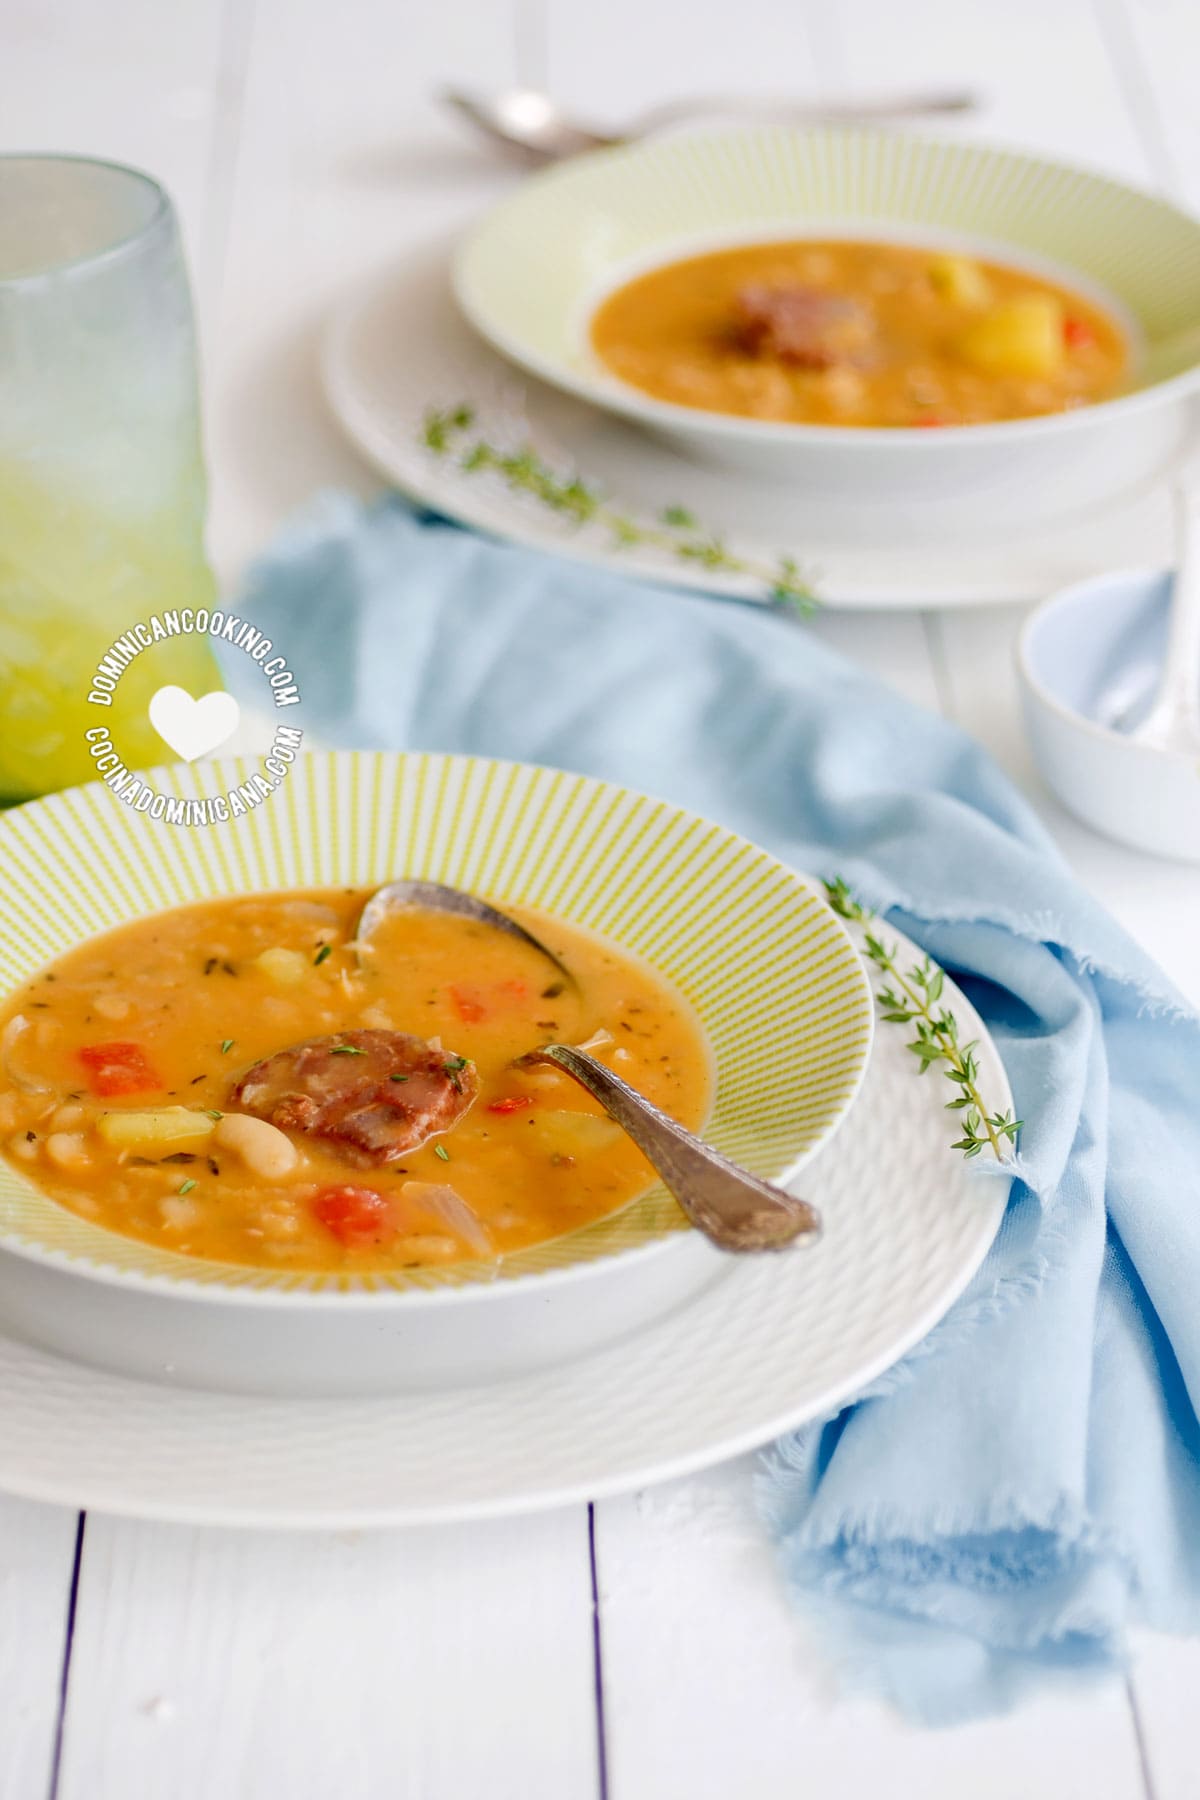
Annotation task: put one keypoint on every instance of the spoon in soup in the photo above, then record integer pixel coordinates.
(736, 1210)
(433, 896)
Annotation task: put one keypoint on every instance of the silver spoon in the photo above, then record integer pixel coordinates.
(528, 120)
(1173, 721)
(434, 897)
(736, 1210)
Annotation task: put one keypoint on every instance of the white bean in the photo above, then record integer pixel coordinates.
(67, 1149)
(67, 1117)
(24, 1147)
(265, 1150)
(111, 1006)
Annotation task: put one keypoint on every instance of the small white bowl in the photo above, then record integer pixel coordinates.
(1089, 656)
(778, 988)
(530, 276)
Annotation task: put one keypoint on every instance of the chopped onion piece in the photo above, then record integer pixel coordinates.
(438, 1198)
(598, 1040)
(28, 1084)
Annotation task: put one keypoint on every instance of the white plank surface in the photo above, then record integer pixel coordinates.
(303, 149)
(688, 1585)
(223, 1665)
(37, 1554)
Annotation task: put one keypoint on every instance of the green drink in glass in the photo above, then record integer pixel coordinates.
(101, 476)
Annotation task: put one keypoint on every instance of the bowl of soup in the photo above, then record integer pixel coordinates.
(246, 1144)
(882, 322)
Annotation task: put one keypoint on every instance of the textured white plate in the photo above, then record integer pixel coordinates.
(774, 1342)
(401, 347)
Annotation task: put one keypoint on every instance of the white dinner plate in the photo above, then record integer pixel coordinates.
(770, 1344)
(400, 348)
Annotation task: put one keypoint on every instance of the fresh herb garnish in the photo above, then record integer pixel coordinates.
(322, 953)
(213, 1113)
(185, 1187)
(397, 1077)
(453, 1066)
(910, 999)
(212, 963)
(441, 1150)
(676, 531)
(347, 1050)
(226, 1046)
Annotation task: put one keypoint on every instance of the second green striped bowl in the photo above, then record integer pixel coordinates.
(776, 983)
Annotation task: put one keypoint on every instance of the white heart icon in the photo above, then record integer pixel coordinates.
(190, 727)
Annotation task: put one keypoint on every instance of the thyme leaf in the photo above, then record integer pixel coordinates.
(451, 432)
(911, 998)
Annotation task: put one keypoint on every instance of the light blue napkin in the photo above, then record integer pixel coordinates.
(1025, 1485)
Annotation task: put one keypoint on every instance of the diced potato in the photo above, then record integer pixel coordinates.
(285, 967)
(1019, 337)
(171, 1128)
(960, 280)
(563, 1133)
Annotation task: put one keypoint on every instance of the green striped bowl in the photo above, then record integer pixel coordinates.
(774, 979)
(530, 276)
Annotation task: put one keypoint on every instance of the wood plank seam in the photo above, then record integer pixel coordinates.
(64, 1680)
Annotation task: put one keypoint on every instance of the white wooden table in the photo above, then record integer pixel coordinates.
(641, 1649)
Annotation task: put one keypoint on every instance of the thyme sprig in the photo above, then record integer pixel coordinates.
(450, 432)
(911, 998)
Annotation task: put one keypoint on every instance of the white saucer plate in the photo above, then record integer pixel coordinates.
(400, 348)
(772, 1343)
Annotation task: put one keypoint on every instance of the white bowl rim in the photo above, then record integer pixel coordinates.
(194, 1290)
(1046, 696)
(628, 401)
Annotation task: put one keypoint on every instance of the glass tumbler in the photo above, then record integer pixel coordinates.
(101, 477)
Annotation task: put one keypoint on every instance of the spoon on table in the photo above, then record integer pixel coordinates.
(530, 121)
(1173, 721)
(736, 1210)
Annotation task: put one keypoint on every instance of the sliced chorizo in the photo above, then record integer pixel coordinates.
(804, 326)
(373, 1095)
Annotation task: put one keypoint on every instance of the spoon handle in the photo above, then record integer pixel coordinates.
(1181, 669)
(737, 1210)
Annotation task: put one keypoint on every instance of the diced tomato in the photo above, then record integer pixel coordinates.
(930, 422)
(118, 1069)
(468, 1005)
(357, 1217)
(474, 1004)
(511, 1103)
(1077, 333)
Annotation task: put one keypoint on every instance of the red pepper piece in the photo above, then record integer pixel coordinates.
(118, 1069)
(1077, 333)
(511, 1103)
(357, 1217)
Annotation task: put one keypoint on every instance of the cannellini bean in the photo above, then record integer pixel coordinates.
(67, 1150)
(265, 1150)
(24, 1147)
(178, 1213)
(112, 1006)
(8, 1111)
(377, 1017)
(66, 1118)
(427, 1248)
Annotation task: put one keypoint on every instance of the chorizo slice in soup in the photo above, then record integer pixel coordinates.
(372, 1095)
